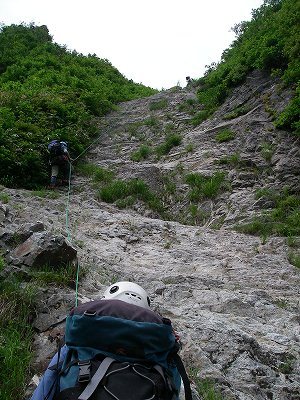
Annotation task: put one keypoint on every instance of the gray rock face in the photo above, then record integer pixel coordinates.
(233, 298)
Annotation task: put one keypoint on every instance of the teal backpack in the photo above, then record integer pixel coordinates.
(120, 351)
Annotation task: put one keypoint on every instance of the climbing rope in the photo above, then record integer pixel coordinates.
(67, 216)
(85, 150)
(69, 233)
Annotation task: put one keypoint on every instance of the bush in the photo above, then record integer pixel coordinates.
(158, 105)
(172, 140)
(225, 135)
(201, 116)
(98, 174)
(205, 187)
(268, 42)
(128, 192)
(49, 93)
(141, 154)
(16, 306)
(282, 220)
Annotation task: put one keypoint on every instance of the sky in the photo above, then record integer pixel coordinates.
(154, 42)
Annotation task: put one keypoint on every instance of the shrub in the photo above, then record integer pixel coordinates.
(16, 306)
(158, 105)
(225, 135)
(141, 154)
(98, 174)
(189, 148)
(205, 387)
(49, 93)
(205, 187)
(4, 198)
(237, 112)
(128, 192)
(282, 220)
(201, 116)
(43, 193)
(188, 106)
(61, 276)
(234, 159)
(152, 122)
(172, 140)
(266, 151)
(266, 43)
(294, 259)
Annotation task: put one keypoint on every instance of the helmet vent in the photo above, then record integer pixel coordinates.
(114, 289)
(133, 295)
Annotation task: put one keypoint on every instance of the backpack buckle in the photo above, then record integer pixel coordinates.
(89, 313)
(84, 374)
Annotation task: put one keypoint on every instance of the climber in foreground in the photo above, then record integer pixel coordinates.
(116, 348)
(59, 161)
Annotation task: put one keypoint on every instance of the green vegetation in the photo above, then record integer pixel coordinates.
(233, 159)
(141, 154)
(241, 110)
(4, 198)
(189, 148)
(205, 387)
(205, 187)
(133, 127)
(269, 42)
(188, 106)
(225, 135)
(98, 174)
(201, 116)
(287, 367)
(283, 219)
(198, 216)
(152, 122)
(16, 335)
(43, 193)
(266, 151)
(172, 140)
(158, 105)
(128, 192)
(60, 276)
(48, 92)
(294, 259)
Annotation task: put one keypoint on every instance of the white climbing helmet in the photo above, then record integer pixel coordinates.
(129, 292)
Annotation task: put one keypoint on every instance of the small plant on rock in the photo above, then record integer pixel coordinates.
(237, 112)
(171, 141)
(16, 306)
(266, 151)
(4, 198)
(128, 192)
(158, 105)
(61, 275)
(205, 187)
(141, 154)
(98, 174)
(205, 387)
(225, 135)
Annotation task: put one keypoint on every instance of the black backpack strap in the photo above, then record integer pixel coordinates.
(185, 378)
(99, 374)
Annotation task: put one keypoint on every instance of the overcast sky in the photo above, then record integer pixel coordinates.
(154, 42)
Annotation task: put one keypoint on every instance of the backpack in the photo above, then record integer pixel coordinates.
(119, 351)
(57, 152)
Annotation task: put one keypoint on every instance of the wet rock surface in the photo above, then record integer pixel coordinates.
(233, 298)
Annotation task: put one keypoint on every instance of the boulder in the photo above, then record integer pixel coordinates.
(43, 248)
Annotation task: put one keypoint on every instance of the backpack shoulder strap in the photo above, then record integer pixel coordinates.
(185, 378)
(99, 374)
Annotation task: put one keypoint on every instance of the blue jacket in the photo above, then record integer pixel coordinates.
(47, 384)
